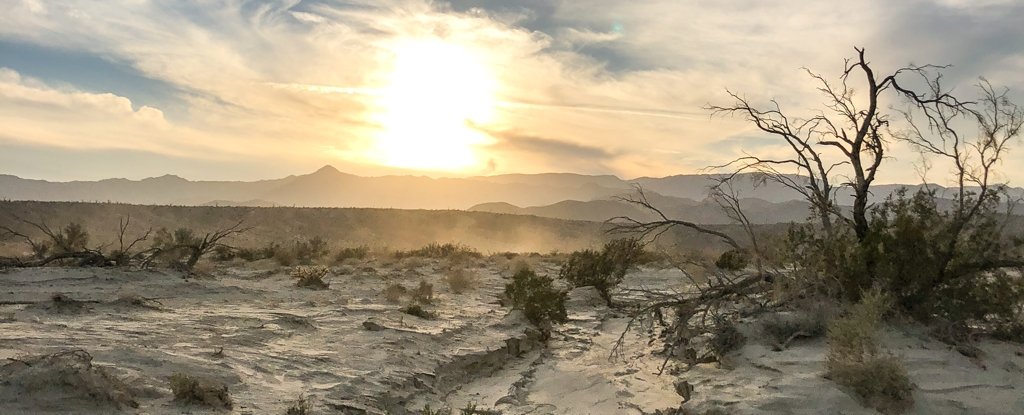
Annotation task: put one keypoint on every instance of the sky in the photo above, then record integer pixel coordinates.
(244, 90)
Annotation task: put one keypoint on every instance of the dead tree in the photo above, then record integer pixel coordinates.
(60, 244)
(851, 133)
(122, 255)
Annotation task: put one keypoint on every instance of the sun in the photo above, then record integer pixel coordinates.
(436, 92)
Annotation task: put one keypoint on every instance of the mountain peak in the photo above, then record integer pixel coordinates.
(327, 169)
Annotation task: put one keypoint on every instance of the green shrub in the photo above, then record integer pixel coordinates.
(602, 270)
(733, 260)
(935, 263)
(537, 297)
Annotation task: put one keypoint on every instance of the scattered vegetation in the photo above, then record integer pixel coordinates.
(441, 251)
(537, 297)
(602, 270)
(200, 390)
(726, 338)
(854, 358)
(357, 252)
(311, 277)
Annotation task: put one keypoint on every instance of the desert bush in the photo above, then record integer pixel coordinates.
(393, 293)
(881, 381)
(418, 311)
(446, 250)
(302, 406)
(733, 260)
(69, 376)
(602, 270)
(460, 279)
(854, 358)
(200, 390)
(782, 329)
(284, 256)
(537, 297)
(726, 338)
(224, 253)
(357, 252)
(310, 250)
(424, 293)
(311, 277)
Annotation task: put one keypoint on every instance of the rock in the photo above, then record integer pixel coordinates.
(372, 326)
(684, 389)
(584, 299)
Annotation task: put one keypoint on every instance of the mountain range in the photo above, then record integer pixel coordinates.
(556, 195)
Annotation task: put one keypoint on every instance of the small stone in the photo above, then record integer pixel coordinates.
(372, 326)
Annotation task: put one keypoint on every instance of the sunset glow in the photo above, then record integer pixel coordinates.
(435, 92)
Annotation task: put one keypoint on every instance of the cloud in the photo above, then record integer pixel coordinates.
(621, 84)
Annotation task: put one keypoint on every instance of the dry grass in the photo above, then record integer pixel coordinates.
(200, 390)
(855, 361)
(311, 277)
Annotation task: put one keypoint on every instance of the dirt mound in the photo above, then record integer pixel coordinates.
(59, 381)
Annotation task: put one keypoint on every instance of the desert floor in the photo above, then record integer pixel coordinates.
(351, 350)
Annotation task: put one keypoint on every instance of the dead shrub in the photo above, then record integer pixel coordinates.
(200, 390)
(781, 330)
(393, 293)
(311, 277)
(67, 376)
(460, 279)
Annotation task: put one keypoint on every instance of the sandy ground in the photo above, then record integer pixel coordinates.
(280, 341)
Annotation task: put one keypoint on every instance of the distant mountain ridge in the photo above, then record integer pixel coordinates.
(557, 195)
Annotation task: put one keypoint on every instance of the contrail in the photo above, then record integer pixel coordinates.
(643, 112)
